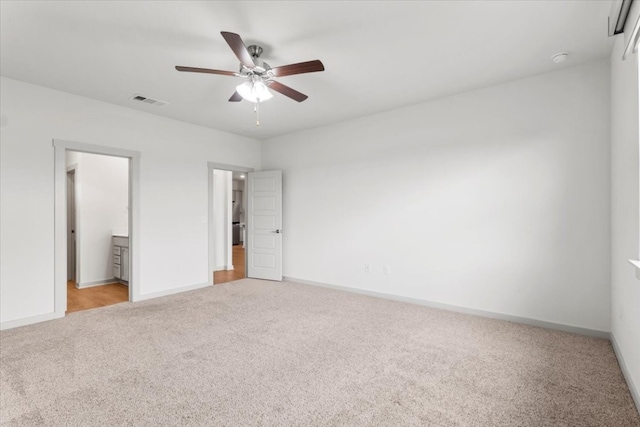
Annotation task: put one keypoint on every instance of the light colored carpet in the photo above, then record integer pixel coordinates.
(255, 353)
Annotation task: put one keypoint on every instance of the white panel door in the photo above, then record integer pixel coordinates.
(264, 222)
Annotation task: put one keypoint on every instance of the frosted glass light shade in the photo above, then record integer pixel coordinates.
(252, 91)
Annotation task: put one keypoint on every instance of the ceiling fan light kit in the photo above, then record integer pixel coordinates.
(260, 77)
(254, 91)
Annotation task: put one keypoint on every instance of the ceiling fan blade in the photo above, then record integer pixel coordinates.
(287, 91)
(205, 70)
(299, 68)
(237, 46)
(236, 97)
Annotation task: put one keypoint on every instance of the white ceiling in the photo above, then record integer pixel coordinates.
(378, 55)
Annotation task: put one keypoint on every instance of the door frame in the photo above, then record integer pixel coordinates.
(60, 216)
(210, 219)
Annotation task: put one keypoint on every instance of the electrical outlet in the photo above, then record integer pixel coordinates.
(386, 270)
(367, 268)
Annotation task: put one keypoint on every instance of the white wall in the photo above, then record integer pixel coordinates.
(173, 189)
(625, 216)
(222, 185)
(102, 190)
(496, 199)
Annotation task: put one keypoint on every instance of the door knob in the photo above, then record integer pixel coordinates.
(278, 231)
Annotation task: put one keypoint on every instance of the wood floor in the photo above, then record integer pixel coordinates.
(97, 296)
(237, 273)
(114, 293)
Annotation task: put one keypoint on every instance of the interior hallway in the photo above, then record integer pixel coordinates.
(237, 273)
(96, 296)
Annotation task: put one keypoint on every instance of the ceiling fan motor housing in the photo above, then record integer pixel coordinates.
(261, 69)
(261, 66)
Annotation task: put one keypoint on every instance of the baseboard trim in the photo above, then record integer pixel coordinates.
(159, 294)
(96, 283)
(10, 324)
(466, 310)
(625, 372)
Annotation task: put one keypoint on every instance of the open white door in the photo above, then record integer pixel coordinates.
(264, 222)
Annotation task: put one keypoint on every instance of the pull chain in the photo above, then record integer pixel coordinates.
(257, 111)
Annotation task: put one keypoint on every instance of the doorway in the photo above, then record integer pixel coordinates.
(96, 219)
(262, 196)
(227, 222)
(97, 230)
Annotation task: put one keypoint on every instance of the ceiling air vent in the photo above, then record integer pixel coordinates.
(150, 101)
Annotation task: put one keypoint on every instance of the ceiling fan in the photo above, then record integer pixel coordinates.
(260, 77)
